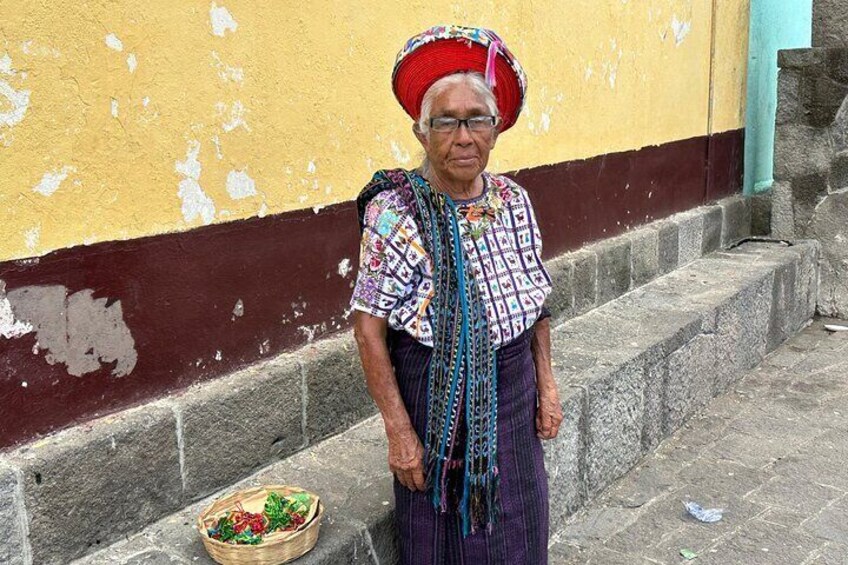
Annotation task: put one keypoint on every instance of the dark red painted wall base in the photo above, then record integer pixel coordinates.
(178, 291)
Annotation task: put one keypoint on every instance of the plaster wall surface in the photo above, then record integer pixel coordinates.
(123, 119)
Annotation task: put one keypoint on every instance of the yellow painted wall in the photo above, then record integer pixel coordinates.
(123, 119)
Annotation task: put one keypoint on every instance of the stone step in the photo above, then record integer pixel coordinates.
(126, 470)
(630, 373)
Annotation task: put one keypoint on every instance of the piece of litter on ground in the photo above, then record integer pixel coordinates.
(836, 328)
(708, 515)
(688, 554)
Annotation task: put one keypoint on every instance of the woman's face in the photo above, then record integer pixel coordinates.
(461, 155)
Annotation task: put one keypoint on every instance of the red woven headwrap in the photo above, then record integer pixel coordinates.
(445, 50)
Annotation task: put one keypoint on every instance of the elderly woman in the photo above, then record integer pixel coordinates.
(450, 319)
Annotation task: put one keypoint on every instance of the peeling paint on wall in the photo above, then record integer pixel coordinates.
(50, 181)
(10, 328)
(195, 202)
(238, 309)
(680, 29)
(29, 47)
(132, 62)
(77, 330)
(13, 109)
(400, 154)
(222, 20)
(344, 267)
(31, 236)
(6, 64)
(112, 42)
(240, 185)
(216, 141)
(226, 72)
(235, 116)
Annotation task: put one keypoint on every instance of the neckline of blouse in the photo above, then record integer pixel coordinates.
(488, 187)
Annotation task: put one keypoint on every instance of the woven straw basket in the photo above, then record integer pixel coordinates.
(277, 547)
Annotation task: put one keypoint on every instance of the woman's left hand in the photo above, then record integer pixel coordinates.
(548, 413)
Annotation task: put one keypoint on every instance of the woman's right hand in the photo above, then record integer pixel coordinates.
(406, 458)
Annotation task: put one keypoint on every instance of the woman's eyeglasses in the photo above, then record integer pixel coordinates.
(446, 124)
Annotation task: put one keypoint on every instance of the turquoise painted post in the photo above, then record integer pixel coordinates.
(774, 24)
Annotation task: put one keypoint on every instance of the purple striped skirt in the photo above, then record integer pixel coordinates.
(428, 537)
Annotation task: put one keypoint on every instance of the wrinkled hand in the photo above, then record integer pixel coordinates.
(548, 413)
(406, 459)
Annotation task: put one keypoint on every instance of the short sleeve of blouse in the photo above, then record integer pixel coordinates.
(390, 251)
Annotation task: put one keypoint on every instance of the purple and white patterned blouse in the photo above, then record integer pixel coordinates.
(501, 239)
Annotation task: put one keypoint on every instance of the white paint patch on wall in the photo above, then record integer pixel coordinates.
(344, 267)
(13, 110)
(29, 47)
(400, 154)
(6, 65)
(222, 20)
(114, 105)
(145, 101)
(310, 168)
(235, 119)
(217, 142)
(240, 185)
(10, 328)
(50, 181)
(226, 72)
(112, 42)
(195, 202)
(238, 309)
(545, 121)
(132, 62)
(680, 29)
(31, 236)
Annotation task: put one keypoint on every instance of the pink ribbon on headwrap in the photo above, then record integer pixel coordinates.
(494, 47)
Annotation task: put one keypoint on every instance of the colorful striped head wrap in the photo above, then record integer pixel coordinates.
(447, 49)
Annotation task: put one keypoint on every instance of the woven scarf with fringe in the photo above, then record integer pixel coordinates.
(462, 379)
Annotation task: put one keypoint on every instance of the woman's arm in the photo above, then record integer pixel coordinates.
(549, 412)
(406, 454)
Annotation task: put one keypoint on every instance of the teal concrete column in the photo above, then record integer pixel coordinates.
(774, 25)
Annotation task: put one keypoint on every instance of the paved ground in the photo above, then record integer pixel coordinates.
(772, 452)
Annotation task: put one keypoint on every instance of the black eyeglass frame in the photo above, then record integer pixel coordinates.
(490, 124)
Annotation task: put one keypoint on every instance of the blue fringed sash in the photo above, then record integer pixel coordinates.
(463, 369)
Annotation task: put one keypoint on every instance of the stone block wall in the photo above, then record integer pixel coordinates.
(205, 438)
(830, 23)
(810, 194)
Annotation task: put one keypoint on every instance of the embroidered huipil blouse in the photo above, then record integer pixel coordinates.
(501, 240)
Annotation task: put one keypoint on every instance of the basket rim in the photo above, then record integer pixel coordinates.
(304, 528)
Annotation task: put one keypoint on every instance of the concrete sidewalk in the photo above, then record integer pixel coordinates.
(772, 452)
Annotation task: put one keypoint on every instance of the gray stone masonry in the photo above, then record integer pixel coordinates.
(630, 372)
(15, 548)
(86, 490)
(810, 194)
(319, 391)
(830, 23)
(220, 439)
(771, 453)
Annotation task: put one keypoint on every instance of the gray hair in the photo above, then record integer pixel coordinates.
(475, 81)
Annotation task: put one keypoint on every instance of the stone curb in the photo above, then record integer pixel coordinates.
(630, 373)
(204, 439)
